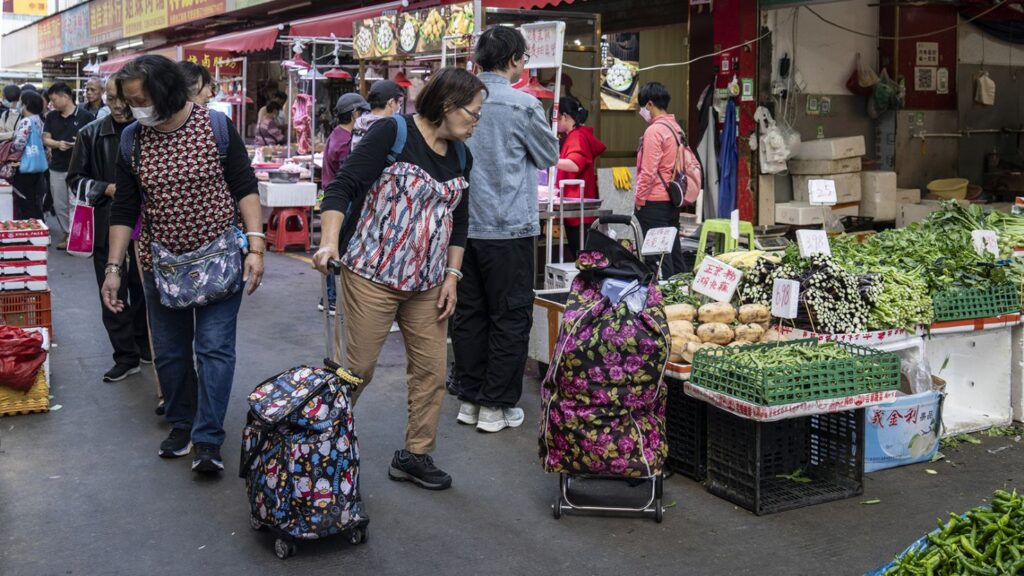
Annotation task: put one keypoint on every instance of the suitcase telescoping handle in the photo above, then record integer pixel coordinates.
(626, 220)
(335, 354)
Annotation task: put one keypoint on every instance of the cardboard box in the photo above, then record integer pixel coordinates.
(848, 187)
(908, 195)
(902, 432)
(832, 148)
(803, 214)
(878, 197)
(842, 166)
(299, 194)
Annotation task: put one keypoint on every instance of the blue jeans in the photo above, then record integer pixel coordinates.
(212, 331)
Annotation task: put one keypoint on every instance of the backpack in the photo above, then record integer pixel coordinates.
(355, 207)
(687, 174)
(218, 120)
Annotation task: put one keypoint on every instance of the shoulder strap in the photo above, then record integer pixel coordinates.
(402, 132)
(219, 122)
(460, 149)
(128, 143)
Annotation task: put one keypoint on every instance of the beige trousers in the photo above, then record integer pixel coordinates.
(370, 308)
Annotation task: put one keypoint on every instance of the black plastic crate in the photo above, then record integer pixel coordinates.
(686, 425)
(746, 460)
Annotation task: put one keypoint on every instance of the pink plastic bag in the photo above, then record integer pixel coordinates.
(81, 238)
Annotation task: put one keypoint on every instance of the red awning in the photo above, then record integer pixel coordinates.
(256, 40)
(115, 64)
(524, 4)
(340, 24)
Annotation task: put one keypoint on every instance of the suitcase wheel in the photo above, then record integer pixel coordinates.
(359, 535)
(283, 549)
(255, 523)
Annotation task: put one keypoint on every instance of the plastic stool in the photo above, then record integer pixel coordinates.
(288, 227)
(728, 244)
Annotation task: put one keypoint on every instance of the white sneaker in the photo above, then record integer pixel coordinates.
(497, 419)
(468, 413)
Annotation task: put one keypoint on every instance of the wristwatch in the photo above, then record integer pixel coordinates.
(112, 268)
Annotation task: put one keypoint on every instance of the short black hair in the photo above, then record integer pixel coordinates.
(572, 108)
(655, 93)
(280, 96)
(12, 93)
(448, 89)
(273, 107)
(346, 118)
(162, 80)
(61, 88)
(195, 74)
(497, 47)
(32, 101)
(29, 88)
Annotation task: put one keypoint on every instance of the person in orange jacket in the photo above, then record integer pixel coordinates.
(580, 150)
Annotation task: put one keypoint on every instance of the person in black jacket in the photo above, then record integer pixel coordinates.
(91, 175)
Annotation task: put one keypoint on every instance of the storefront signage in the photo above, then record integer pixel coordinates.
(74, 28)
(412, 33)
(50, 40)
(142, 16)
(813, 242)
(212, 60)
(27, 7)
(182, 11)
(716, 280)
(105, 21)
(240, 4)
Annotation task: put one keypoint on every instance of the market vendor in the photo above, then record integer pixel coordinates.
(577, 161)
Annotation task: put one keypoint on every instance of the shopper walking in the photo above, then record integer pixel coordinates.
(12, 114)
(385, 98)
(59, 132)
(173, 172)
(348, 110)
(94, 90)
(199, 81)
(406, 220)
(93, 173)
(29, 189)
(495, 312)
(577, 161)
(655, 168)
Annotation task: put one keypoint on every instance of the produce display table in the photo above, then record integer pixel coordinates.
(758, 413)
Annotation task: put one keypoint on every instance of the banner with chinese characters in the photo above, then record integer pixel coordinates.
(74, 28)
(182, 11)
(105, 21)
(50, 41)
(142, 16)
(211, 60)
(27, 7)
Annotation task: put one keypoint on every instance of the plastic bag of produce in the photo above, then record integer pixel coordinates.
(21, 355)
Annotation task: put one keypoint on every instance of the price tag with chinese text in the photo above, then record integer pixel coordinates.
(785, 298)
(716, 280)
(822, 192)
(813, 242)
(659, 241)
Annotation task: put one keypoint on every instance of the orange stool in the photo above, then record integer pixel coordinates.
(288, 227)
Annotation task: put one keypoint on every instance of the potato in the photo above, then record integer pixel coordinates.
(680, 327)
(771, 335)
(679, 344)
(739, 343)
(717, 312)
(715, 332)
(755, 314)
(682, 312)
(689, 350)
(749, 332)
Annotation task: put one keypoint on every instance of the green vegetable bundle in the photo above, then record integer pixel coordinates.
(674, 291)
(986, 540)
(789, 356)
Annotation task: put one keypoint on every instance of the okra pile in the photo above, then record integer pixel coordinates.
(986, 540)
(788, 356)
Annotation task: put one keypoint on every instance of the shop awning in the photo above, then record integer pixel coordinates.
(339, 24)
(524, 4)
(256, 40)
(115, 64)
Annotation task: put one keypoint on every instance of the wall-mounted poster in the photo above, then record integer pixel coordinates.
(433, 24)
(385, 36)
(620, 77)
(364, 40)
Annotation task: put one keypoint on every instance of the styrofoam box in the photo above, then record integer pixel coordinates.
(878, 195)
(908, 195)
(35, 237)
(22, 252)
(803, 214)
(6, 202)
(978, 374)
(832, 148)
(909, 213)
(560, 275)
(905, 431)
(848, 186)
(287, 195)
(22, 268)
(841, 166)
(11, 283)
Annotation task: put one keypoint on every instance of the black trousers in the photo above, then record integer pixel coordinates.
(572, 241)
(493, 317)
(663, 215)
(31, 186)
(128, 330)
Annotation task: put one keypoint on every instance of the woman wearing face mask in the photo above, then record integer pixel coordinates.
(190, 197)
(199, 81)
(29, 189)
(402, 252)
(580, 149)
(655, 168)
(10, 117)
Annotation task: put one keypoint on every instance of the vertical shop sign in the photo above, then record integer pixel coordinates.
(182, 11)
(105, 21)
(141, 16)
(50, 41)
(74, 28)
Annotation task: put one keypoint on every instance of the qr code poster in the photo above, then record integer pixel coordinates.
(924, 79)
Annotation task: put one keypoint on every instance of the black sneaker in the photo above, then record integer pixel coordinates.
(178, 444)
(146, 357)
(119, 372)
(160, 410)
(418, 469)
(207, 459)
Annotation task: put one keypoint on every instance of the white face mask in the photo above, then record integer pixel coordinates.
(646, 115)
(145, 115)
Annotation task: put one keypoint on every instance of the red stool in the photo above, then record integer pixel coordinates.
(288, 227)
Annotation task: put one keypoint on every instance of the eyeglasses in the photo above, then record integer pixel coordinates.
(526, 57)
(475, 115)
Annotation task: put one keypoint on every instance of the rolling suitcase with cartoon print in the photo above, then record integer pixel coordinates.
(300, 455)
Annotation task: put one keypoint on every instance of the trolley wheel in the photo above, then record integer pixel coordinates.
(659, 486)
(255, 523)
(556, 508)
(359, 536)
(283, 549)
(659, 511)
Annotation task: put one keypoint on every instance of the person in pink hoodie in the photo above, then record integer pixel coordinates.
(577, 161)
(655, 168)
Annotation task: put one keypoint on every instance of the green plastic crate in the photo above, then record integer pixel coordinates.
(967, 303)
(867, 371)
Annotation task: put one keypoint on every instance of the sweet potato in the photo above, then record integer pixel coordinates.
(717, 312)
(715, 332)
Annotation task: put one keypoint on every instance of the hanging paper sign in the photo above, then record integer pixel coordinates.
(812, 242)
(659, 241)
(822, 192)
(544, 43)
(985, 241)
(785, 298)
(716, 280)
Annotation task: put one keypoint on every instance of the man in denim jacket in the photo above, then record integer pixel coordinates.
(491, 335)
